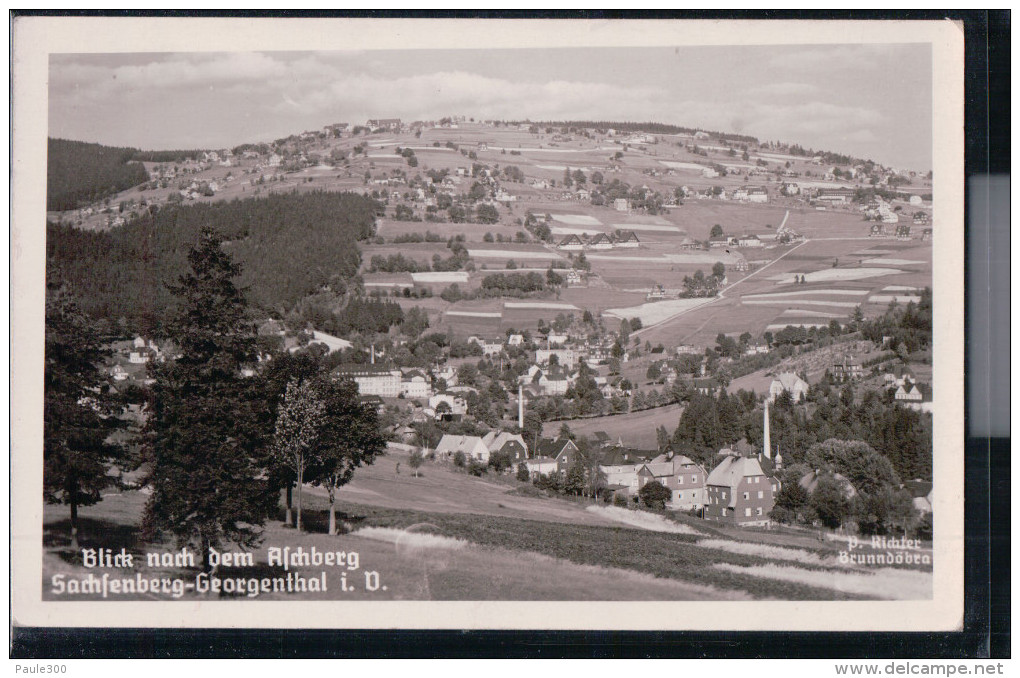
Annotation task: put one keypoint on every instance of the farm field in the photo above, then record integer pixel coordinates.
(635, 428)
(390, 229)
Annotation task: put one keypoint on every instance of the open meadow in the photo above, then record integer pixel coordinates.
(448, 536)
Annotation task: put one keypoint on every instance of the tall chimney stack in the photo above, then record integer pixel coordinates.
(768, 439)
(520, 405)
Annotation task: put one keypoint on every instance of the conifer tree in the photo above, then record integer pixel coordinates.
(210, 461)
(77, 408)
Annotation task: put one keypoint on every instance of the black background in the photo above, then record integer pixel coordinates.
(986, 628)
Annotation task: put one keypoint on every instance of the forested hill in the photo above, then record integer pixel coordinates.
(290, 245)
(78, 172)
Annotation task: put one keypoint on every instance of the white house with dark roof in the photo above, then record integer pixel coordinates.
(541, 466)
(571, 243)
(627, 239)
(415, 384)
(511, 443)
(600, 241)
(471, 446)
(789, 382)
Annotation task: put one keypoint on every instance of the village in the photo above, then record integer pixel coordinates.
(609, 325)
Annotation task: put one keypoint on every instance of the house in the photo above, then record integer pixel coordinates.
(373, 379)
(515, 340)
(908, 392)
(749, 241)
(920, 218)
(926, 235)
(847, 369)
(556, 339)
(876, 231)
(742, 265)
(621, 205)
(571, 243)
(454, 403)
(415, 384)
(706, 386)
(448, 374)
(709, 173)
(392, 124)
(915, 200)
(562, 450)
(657, 292)
(620, 465)
(740, 193)
(790, 383)
(566, 357)
(738, 491)
(333, 344)
(903, 232)
(140, 356)
(600, 241)
(373, 401)
(471, 446)
(721, 241)
(510, 443)
(552, 381)
(835, 195)
(627, 239)
(684, 478)
(541, 466)
(118, 373)
(922, 493)
(757, 194)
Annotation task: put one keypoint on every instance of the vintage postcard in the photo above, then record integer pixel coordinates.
(532, 324)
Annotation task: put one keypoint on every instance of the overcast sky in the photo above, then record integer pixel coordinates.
(873, 101)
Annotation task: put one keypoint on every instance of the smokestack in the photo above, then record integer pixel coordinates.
(767, 447)
(520, 405)
(373, 354)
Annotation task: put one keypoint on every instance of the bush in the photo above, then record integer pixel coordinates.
(459, 459)
(620, 500)
(655, 495)
(500, 461)
(476, 468)
(522, 473)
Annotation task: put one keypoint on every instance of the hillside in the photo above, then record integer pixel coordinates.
(78, 172)
(290, 246)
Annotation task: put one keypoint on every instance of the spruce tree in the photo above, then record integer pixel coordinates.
(209, 456)
(78, 407)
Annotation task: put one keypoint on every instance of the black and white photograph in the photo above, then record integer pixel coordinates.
(572, 323)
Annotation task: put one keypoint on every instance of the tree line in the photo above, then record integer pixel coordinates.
(901, 435)
(79, 173)
(291, 245)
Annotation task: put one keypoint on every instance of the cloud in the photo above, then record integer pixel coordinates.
(225, 98)
(782, 89)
